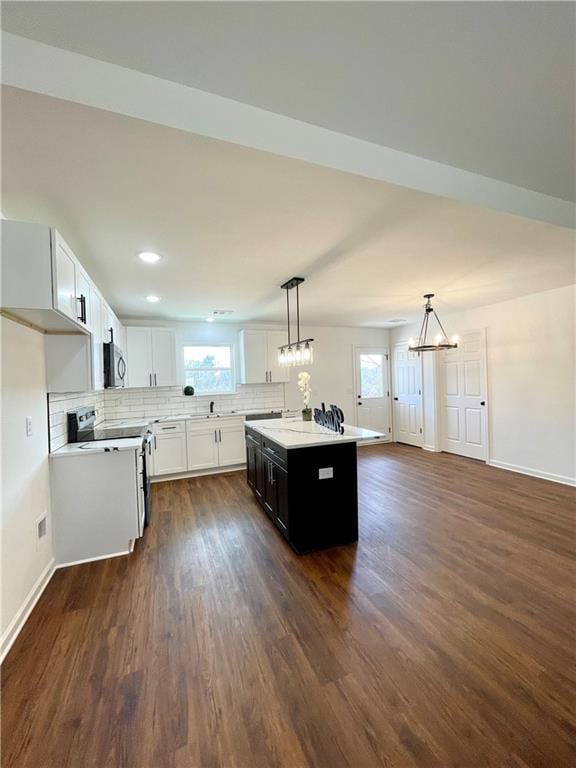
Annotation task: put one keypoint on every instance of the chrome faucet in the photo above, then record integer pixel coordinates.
(211, 406)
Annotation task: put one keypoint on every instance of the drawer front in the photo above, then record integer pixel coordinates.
(275, 452)
(252, 440)
(201, 425)
(169, 428)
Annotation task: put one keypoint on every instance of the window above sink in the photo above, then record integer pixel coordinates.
(209, 368)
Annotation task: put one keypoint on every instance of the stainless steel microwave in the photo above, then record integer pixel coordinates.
(114, 366)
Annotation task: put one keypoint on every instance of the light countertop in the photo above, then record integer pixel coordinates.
(215, 415)
(99, 446)
(295, 433)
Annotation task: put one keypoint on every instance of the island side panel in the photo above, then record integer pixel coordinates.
(322, 496)
(309, 493)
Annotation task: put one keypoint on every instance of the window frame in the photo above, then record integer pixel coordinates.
(211, 345)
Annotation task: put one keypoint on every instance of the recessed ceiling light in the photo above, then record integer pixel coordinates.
(152, 299)
(209, 319)
(149, 257)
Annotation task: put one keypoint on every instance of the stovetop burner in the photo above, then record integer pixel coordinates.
(82, 427)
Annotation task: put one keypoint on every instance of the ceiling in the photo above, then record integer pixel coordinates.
(482, 86)
(234, 223)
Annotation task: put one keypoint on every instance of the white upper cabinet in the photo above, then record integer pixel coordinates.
(84, 290)
(259, 357)
(276, 373)
(151, 357)
(42, 280)
(138, 357)
(45, 284)
(164, 357)
(97, 340)
(253, 357)
(64, 278)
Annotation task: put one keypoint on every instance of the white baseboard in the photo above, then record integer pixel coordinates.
(376, 441)
(15, 626)
(431, 448)
(92, 559)
(198, 473)
(563, 479)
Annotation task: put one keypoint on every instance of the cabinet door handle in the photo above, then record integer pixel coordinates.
(219, 435)
(172, 427)
(155, 380)
(150, 379)
(215, 436)
(82, 316)
(155, 443)
(270, 372)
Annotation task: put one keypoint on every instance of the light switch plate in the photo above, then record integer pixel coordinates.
(326, 473)
(28, 426)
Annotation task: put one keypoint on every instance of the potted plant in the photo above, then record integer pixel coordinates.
(304, 387)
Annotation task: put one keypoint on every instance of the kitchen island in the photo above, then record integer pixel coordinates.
(305, 477)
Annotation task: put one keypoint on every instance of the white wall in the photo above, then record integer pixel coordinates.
(26, 565)
(332, 371)
(531, 379)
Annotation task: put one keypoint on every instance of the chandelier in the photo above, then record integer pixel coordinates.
(441, 340)
(299, 352)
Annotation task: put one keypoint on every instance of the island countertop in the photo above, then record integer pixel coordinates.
(295, 433)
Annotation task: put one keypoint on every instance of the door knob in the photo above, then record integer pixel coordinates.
(395, 398)
(359, 403)
(482, 402)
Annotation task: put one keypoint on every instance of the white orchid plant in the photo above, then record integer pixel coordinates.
(304, 387)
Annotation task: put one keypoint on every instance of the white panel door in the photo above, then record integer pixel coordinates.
(202, 447)
(231, 445)
(372, 389)
(463, 396)
(276, 373)
(253, 357)
(138, 357)
(64, 269)
(170, 454)
(163, 357)
(407, 396)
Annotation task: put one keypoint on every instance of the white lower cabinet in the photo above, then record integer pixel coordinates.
(189, 446)
(170, 454)
(231, 444)
(202, 447)
(169, 448)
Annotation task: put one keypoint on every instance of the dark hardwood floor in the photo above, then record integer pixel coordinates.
(446, 637)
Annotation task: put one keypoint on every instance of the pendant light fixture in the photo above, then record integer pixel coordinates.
(299, 352)
(441, 340)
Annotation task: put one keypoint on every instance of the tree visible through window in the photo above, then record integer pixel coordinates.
(209, 369)
(371, 375)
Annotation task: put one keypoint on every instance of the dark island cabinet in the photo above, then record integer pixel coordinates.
(255, 467)
(310, 494)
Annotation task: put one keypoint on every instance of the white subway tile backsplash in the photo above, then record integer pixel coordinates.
(126, 404)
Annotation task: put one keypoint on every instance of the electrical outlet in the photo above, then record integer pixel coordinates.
(326, 473)
(28, 426)
(41, 529)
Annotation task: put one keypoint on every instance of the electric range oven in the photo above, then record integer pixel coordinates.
(82, 429)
